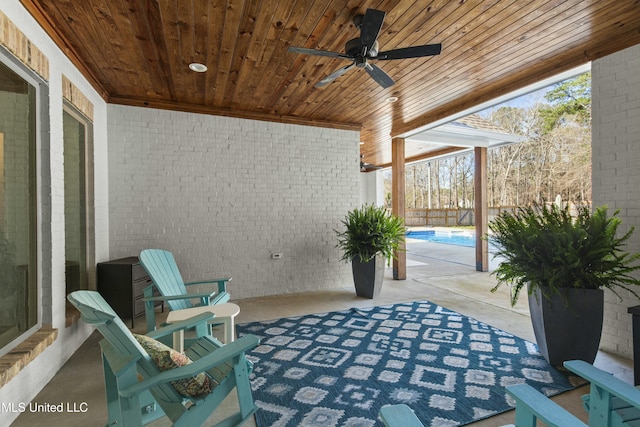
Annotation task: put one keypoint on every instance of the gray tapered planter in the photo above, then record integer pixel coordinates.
(367, 276)
(567, 332)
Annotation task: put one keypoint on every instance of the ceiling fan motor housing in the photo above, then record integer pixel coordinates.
(357, 20)
(353, 48)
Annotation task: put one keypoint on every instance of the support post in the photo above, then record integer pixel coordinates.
(480, 219)
(397, 202)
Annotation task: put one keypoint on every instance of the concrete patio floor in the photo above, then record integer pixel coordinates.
(443, 274)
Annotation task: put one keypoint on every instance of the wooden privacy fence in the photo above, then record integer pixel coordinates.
(447, 217)
(461, 216)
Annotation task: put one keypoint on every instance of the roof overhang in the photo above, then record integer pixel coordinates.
(448, 136)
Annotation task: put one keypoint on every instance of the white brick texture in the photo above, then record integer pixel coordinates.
(616, 174)
(223, 194)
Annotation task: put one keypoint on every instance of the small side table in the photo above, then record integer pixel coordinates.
(224, 313)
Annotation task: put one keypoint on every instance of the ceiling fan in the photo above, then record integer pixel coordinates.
(363, 49)
(367, 167)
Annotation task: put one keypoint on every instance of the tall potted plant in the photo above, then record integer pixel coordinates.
(565, 263)
(371, 237)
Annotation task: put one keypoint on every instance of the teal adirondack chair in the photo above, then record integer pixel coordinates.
(531, 407)
(138, 392)
(163, 271)
(611, 402)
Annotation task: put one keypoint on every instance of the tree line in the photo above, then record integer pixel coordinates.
(554, 159)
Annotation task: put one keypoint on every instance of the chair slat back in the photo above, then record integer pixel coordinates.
(163, 270)
(96, 311)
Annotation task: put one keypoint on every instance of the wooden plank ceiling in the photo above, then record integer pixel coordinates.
(137, 52)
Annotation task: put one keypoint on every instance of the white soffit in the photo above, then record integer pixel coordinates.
(457, 135)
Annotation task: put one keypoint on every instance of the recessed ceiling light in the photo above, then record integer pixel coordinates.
(392, 99)
(197, 67)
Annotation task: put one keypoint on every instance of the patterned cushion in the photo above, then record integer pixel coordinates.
(167, 358)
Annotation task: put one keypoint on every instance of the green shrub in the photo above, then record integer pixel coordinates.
(544, 247)
(370, 230)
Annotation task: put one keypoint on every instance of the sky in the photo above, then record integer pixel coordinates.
(523, 101)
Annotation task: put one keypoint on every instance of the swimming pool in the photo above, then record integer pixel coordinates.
(454, 237)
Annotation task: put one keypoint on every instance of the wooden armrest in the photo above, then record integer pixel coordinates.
(399, 416)
(229, 351)
(605, 381)
(222, 283)
(179, 297)
(531, 405)
(181, 325)
(203, 282)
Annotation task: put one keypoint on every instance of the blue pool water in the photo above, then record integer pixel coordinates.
(460, 238)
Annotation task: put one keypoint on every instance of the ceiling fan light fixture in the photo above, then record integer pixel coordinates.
(197, 67)
(392, 99)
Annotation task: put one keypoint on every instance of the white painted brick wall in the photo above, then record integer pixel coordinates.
(616, 171)
(222, 194)
(25, 386)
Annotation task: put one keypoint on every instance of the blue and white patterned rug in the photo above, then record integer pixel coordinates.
(340, 368)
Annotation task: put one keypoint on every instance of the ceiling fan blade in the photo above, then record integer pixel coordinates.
(411, 52)
(371, 26)
(305, 51)
(379, 76)
(331, 77)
